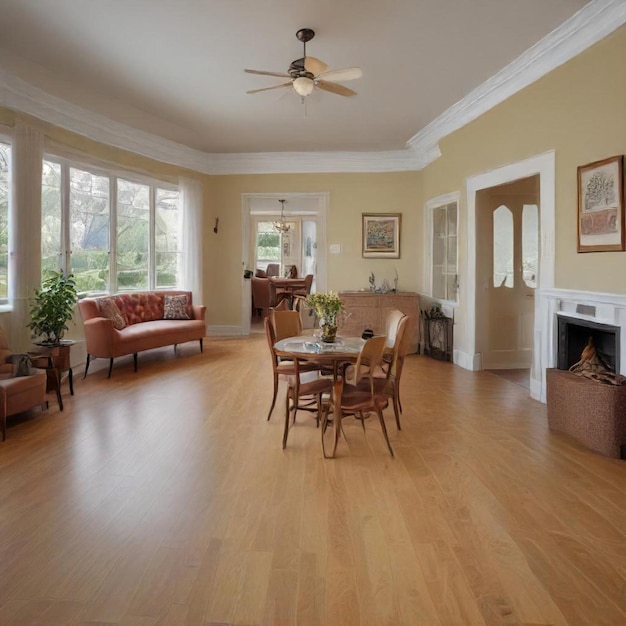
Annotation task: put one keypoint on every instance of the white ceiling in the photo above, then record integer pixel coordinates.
(174, 68)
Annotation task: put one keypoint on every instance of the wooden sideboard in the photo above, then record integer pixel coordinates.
(369, 310)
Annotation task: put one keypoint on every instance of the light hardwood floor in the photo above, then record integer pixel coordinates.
(164, 497)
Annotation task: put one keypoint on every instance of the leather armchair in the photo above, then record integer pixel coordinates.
(18, 393)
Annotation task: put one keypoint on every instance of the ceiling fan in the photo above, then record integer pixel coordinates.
(308, 73)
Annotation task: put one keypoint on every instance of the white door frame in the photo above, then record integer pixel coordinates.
(247, 199)
(544, 166)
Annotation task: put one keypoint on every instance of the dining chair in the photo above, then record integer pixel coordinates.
(387, 380)
(280, 368)
(392, 322)
(305, 391)
(286, 323)
(361, 396)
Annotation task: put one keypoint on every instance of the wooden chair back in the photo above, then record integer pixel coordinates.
(286, 324)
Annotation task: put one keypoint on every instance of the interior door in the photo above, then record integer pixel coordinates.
(510, 227)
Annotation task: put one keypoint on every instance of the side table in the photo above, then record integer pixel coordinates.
(55, 360)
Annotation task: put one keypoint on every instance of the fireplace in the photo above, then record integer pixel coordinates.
(573, 333)
(591, 412)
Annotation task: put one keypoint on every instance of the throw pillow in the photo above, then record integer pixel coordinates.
(108, 309)
(261, 274)
(176, 308)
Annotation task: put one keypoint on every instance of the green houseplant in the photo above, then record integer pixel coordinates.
(53, 307)
(328, 306)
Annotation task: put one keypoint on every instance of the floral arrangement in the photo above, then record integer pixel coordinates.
(327, 306)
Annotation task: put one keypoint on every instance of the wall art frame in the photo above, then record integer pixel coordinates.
(601, 206)
(381, 235)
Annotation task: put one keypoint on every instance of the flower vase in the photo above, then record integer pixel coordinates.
(329, 333)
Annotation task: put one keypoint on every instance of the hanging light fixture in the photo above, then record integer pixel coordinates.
(281, 225)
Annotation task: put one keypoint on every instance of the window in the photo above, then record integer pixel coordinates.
(121, 234)
(530, 244)
(443, 216)
(268, 245)
(5, 187)
(503, 246)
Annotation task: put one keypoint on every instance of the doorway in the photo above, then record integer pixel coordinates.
(542, 165)
(507, 238)
(304, 246)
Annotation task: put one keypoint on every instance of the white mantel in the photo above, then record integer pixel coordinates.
(610, 309)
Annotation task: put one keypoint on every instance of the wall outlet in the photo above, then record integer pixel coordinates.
(335, 248)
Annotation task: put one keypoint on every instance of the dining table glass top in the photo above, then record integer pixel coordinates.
(312, 345)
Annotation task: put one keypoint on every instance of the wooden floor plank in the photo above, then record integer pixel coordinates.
(164, 497)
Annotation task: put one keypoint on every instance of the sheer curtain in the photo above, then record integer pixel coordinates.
(190, 263)
(25, 229)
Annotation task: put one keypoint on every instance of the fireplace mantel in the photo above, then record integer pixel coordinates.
(603, 308)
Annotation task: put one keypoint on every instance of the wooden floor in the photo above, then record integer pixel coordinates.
(164, 497)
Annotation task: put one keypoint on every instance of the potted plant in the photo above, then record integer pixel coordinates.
(328, 306)
(53, 308)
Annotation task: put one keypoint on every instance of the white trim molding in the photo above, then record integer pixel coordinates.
(593, 22)
(608, 308)
(544, 166)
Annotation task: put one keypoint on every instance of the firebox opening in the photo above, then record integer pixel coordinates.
(573, 335)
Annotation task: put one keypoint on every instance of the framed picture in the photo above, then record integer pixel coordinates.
(601, 205)
(381, 235)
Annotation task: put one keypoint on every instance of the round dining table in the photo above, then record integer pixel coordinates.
(343, 351)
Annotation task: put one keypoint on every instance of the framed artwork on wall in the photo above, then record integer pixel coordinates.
(381, 235)
(601, 205)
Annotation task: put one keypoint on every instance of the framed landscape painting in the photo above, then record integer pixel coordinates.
(381, 235)
(601, 206)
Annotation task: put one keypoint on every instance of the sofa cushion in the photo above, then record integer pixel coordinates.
(153, 306)
(109, 309)
(176, 308)
(131, 308)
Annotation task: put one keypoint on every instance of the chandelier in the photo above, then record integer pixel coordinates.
(281, 225)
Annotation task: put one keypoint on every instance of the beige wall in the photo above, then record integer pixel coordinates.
(349, 196)
(579, 111)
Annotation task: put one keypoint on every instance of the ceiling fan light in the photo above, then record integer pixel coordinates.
(303, 86)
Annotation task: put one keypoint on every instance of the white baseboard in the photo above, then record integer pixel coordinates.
(225, 331)
(467, 361)
(536, 390)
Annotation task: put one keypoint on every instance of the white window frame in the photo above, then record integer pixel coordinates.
(7, 137)
(113, 176)
(429, 208)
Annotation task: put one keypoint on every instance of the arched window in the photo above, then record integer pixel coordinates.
(503, 243)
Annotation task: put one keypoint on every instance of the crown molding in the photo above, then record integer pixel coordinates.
(21, 96)
(591, 24)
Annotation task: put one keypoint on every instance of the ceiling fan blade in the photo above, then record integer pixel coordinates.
(315, 66)
(268, 88)
(279, 74)
(338, 76)
(340, 90)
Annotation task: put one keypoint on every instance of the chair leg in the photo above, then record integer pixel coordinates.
(384, 429)
(287, 412)
(201, 345)
(110, 366)
(175, 352)
(135, 360)
(396, 406)
(274, 398)
(87, 365)
(71, 380)
(4, 428)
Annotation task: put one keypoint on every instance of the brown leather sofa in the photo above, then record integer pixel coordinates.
(130, 323)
